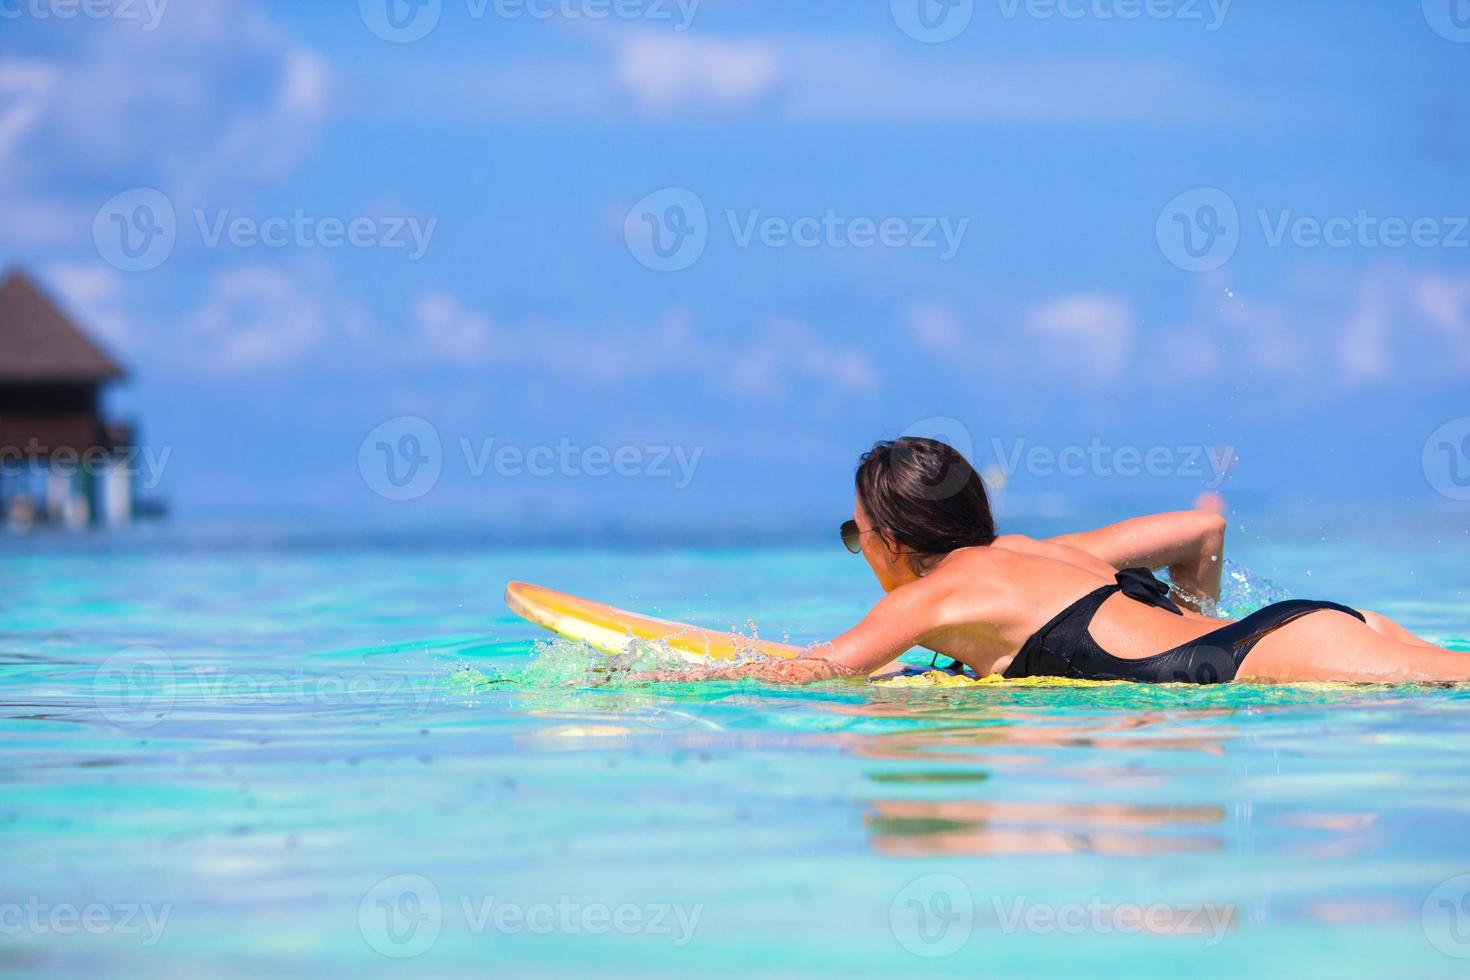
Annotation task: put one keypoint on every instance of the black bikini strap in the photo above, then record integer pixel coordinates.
(1141, 585)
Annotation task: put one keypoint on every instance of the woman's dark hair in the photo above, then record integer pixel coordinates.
(926, 496)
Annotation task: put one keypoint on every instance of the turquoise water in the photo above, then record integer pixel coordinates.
(229, 754)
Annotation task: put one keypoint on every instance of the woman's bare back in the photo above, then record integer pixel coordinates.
(990, 601)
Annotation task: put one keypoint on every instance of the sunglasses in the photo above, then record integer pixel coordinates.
(852, 536)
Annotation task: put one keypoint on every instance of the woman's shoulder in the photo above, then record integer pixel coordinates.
(1017, 544)
(970, 578)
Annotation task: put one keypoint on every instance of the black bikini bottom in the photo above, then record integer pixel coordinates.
(1211, 659)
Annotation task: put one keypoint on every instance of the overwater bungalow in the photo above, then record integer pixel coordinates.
(62, 461)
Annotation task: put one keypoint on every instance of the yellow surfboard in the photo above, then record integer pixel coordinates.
(610, 630)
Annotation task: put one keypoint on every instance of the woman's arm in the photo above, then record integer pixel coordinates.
(895, 625)
(1189, 543)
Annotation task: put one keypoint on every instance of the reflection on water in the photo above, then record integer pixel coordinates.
(911, 828)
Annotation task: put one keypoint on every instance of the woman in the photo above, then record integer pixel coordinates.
(1082, 605)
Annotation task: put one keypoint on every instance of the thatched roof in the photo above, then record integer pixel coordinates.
(39, 344)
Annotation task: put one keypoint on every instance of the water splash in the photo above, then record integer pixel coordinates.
(1242, 592)
(566, 663)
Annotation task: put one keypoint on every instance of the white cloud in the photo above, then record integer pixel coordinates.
(782, 354)
(271, 137)
(217, 94)
(1444, 302)
(805, 77)
(1089, 335)
(613, 355)
(665, 72)
(936, 329)
(257, 318)
(787, 352)
(96, 294)
(865, 81)
(1365, 330)
(451, 331)
(25, 87)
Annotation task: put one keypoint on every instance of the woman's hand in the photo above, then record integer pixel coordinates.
(802, 670)
(899, 621)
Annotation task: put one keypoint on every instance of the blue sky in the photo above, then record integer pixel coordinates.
(1062, 319)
